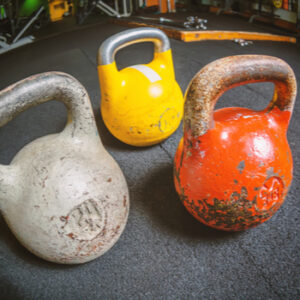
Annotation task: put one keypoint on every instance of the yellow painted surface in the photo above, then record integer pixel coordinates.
(137, 111)
(277, 3)
(57, 8)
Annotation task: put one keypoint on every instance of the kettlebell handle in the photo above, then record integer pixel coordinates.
(223, 74)
(108, 49)
(48, 86)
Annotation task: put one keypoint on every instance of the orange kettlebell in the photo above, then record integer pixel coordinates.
(233, 167)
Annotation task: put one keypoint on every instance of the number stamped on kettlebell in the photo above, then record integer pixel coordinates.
(168, 120)
(270, 193)
(86, 221)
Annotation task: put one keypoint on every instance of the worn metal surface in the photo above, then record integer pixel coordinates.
(63, 196)
(233, 167)
(108, 49)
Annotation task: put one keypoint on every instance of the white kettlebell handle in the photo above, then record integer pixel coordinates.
(45, 87)
(38, 89)
(108, 49)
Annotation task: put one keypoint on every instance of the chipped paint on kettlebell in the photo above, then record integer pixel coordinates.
(141, 105)
(233, 167)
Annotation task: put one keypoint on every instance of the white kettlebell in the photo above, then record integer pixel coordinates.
(63, 196)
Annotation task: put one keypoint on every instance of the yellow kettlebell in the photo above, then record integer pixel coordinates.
(143, 104)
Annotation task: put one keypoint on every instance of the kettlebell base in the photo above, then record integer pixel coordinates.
(65, 228)
(233, 178)
(140, 142)
(231, 227)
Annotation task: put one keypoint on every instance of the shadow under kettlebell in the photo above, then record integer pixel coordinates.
(161, 202)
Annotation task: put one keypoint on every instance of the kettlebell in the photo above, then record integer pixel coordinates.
(233, 167)
(63, 196)
(143, 104)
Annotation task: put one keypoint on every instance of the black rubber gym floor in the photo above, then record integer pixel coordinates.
(164, 253)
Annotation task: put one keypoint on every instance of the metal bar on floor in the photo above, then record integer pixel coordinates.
(127, 10)
(28, 24)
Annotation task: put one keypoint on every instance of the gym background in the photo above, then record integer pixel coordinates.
(164, 252)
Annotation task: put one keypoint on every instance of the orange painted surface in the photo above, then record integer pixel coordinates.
(149, 3)
(57, 8)
(192, 36)
(237, 174)
(277, 22)
(163, 6)
(285, 4)
(173, 7)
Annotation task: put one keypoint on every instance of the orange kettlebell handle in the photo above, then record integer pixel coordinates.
(223, 74)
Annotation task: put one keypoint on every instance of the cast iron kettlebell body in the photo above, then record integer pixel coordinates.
(233, 167)
(63, 196)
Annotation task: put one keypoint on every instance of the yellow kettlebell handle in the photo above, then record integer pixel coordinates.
(109, 48)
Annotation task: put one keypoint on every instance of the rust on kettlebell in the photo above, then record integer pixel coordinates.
(66, 203)
(208, 84)
(233, 167)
